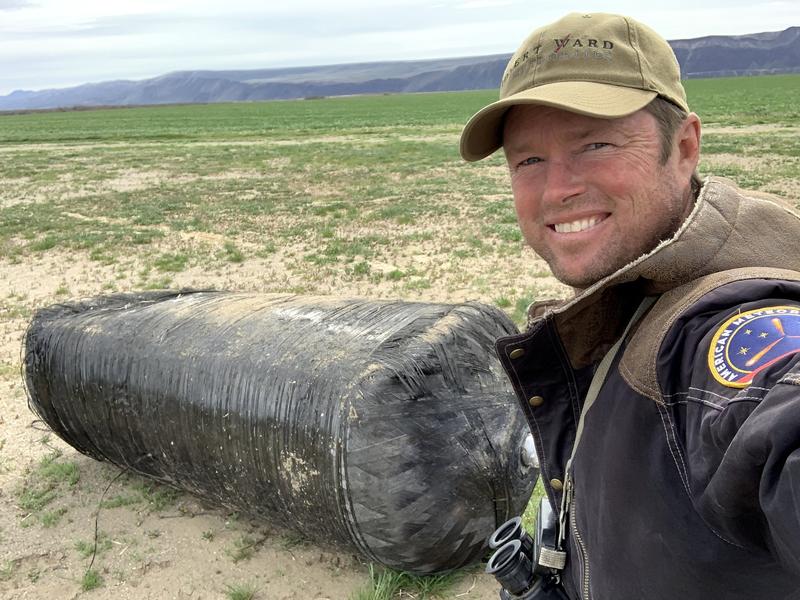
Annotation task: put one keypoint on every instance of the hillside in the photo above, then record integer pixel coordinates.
(713, 56)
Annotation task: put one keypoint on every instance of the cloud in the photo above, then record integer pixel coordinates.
(279, 21)
(16, 4)
(473, 4)
(89, 28)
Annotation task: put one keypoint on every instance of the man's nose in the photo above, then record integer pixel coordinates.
(562, 182)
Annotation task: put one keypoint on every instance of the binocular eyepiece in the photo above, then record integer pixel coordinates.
(512, 568)
(517, 561)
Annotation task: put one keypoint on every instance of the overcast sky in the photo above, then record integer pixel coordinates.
(59, 43)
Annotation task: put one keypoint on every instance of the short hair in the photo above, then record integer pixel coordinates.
(669, 117)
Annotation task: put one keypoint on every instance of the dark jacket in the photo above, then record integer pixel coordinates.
(687, 476)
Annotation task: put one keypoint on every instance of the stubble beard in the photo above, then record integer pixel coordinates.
(609, 261)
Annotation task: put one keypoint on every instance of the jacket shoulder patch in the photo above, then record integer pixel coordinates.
(751, 341)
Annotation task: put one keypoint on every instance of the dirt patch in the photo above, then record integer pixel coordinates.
(747, 163)
(97, 218)
(130, 180)
(329, 139)
(761, 128)
(434, 137)
(786, 188)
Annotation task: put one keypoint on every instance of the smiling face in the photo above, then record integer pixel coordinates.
(591, 194)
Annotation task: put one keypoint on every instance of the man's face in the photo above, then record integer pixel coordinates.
(591, 194)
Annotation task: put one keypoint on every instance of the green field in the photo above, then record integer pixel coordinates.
(335, 187)
(360, 196)
(738, 101)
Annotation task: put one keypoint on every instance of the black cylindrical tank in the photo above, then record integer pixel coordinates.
(388, 427)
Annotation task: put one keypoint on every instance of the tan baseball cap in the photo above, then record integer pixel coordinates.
(595, 64)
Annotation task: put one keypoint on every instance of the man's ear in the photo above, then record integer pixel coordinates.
(687, 145)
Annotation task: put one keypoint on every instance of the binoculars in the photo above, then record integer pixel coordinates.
(528, 568)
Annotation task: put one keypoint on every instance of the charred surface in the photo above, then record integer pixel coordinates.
(387, 427)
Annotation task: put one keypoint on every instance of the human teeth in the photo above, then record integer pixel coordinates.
(576, 226)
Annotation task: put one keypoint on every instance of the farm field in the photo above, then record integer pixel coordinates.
(359, 196)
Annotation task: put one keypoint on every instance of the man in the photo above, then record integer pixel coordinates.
(684, 482)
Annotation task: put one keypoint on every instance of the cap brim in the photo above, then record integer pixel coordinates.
(483, 133)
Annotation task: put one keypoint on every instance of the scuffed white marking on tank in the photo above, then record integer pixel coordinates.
(443, 327)
(352, 414)
(322, 318)
(297, 471)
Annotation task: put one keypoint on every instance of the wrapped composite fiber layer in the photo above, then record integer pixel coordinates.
(384, 427)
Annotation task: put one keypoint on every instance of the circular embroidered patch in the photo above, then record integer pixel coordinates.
(751, 341)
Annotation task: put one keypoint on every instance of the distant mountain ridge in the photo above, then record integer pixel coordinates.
(711, 56)
(730, 56)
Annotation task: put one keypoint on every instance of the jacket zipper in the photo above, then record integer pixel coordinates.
(582, 547)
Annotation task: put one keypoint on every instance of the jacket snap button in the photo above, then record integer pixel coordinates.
(516, 353)
(557, 485)
(535, 401)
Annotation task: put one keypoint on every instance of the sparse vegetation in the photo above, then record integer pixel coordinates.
(156, 496)
(172, 262)
(520, 314)
(244, 547)
(7, 570)
(121, 500)
(502, 302)
(86, 549)
(91, 580)
(52, 517)
(45, 483)
(241, 591)
(232, 253)
(529, 516)
(385, 584)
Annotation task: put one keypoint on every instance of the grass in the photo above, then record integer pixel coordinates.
(291, 540)
(175, 125)
(529, 516)
(51, 518)
(157, 497)
(171, 262)
(121, 500)
(47, 482)
(86, 549)
(241, 591)
(11, 309)
(244, 547)
(91, 580)
(232, 253)
(521, 304)
(744, 101)
(6, 372)
(153, 496)
(386, 584)
(8, 569)
(51, 469)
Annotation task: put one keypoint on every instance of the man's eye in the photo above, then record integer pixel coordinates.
(531, 160)
(596, 145)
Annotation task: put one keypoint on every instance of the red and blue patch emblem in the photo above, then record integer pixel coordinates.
(751, 341)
